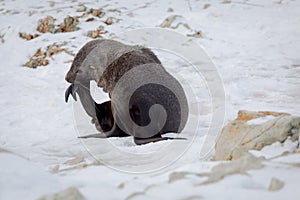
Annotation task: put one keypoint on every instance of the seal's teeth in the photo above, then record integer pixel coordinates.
(74, 96)
(74, 90)
(68, 92)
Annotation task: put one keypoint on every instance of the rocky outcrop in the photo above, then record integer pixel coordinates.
(275, 184)
(253, 131)
(174, 21)
(70, 193)
(239, 166)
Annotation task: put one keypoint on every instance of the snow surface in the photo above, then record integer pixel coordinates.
(254, 45)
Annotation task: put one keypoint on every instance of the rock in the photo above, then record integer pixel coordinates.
(197, 34)
(4, 151)
(51, 3)
(109, 21)
(194, 197)
(81, 9)
(97, 33)
(275, 184)
(28, 36)
(121, 185)
(40, 57)
(253, 131)
(54, 169)
(70, 193)
(90, 19)
(174, 176)
(74, 161)
(69, 25)
(97, 12)
(226, 1)
(170, 10)
(205, 6)
(218, 172)
(239, 166)
(46, 25)
(174, 21)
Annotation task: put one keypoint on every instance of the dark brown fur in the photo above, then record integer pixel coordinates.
(140, 102)
(120, 66)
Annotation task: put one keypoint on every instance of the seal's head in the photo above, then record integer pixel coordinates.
(82, 71)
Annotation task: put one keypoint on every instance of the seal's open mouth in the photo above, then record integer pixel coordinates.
(71, 90)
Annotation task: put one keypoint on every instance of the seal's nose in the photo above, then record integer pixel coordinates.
(70, 77)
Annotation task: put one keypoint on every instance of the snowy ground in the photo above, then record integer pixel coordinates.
(255, 46)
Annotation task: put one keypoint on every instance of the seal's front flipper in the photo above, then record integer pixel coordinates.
(97, 135)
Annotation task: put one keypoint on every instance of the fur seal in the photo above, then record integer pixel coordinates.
(89, 64)
(107, 75)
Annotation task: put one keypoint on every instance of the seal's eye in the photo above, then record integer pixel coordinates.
(77, 71)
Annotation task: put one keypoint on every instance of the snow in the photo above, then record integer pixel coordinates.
(255, 47)
(276, 149)
(260, 120)
(20, 178)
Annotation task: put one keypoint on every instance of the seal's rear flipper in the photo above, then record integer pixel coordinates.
(97, 135)
(156, 138)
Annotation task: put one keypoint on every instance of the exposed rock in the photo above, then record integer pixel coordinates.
(115, 10)
(90, 19)
(2, 35)
(97, 33)
(46, 25)
(97, 12)
(55, 49)
(51, 3)
(174, 176)
(70, 193)
(197, 34)
(3, 150)
(54, 169)
(74, 161)
(218, 172)
(205, 6)
(251, 131)
(121, 185)
(28, 36)
(275, 184)
(130, 14)
(81, 9)
(69, 25)
(194, 197)
(174, 21)
(239, 166)
(170, 10)
(109, 21)
(40, 57)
